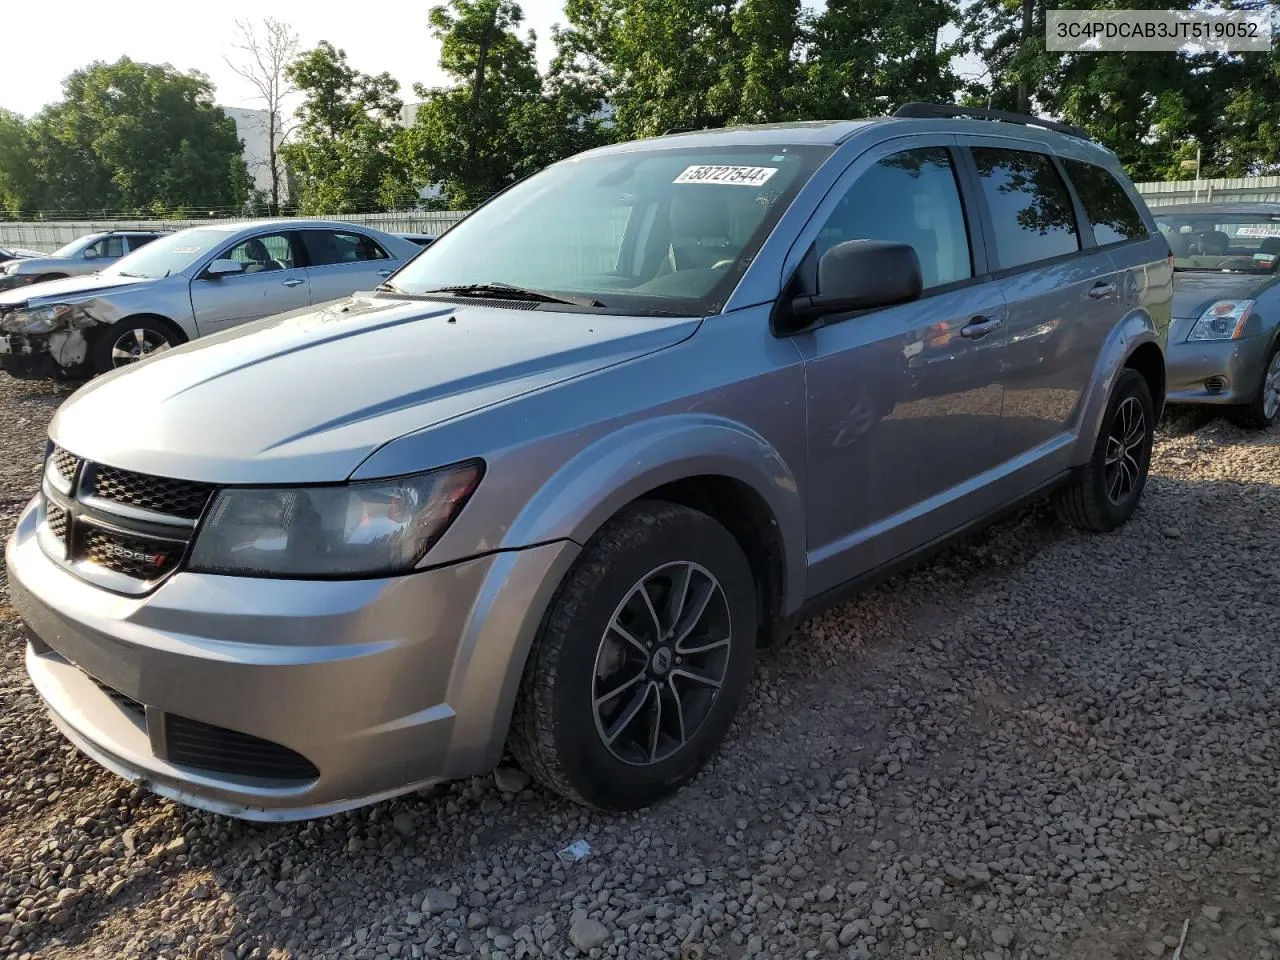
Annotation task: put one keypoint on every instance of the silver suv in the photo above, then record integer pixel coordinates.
(553, 484)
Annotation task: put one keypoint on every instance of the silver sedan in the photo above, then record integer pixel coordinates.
(79, 258)
(186, 285)
(1224, 344)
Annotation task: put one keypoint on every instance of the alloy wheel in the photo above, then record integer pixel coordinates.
(661, 663)
(133, 345)
(1125, 437)
(1271, 388)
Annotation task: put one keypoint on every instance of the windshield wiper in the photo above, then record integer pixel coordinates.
(506, 291)
(386, 286)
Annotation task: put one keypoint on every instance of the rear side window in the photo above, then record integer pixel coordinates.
(910, 197)
(108, 248)
(1031, 215)
(138, 240)
(1108, 207)
(326, 247)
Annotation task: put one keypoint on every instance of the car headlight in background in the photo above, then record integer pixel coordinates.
(355, 529)
(1224, 320)
(36, 319)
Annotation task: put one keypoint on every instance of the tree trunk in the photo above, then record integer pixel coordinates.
(272, 124)
(1024, 88)
(477, 88)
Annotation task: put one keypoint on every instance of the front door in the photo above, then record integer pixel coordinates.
(271, 283)
(904, 402)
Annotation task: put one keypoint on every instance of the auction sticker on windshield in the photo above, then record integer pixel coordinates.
(735, 176)
(1259, 230)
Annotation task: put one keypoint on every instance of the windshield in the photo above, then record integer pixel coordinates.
(1232, 242)
(73, 248)
(665, 230)
(167, 255)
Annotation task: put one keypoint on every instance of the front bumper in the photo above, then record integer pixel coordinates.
(1213, 371)
(28, 358)
(383, 685)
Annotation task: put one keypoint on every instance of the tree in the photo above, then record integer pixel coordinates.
(266, 57)
(136, 137)
(12, 160)
(342, 154)
(499, 121)
(867, 57)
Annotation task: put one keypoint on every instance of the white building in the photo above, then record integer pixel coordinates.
(251, 127)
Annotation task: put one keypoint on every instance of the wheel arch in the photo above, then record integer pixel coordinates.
(171, 325)
(710, 463)
(1135, 342)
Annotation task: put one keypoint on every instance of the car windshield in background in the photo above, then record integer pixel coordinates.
(73, 248)
(1237, 243)
(667, 230)
(167, 255)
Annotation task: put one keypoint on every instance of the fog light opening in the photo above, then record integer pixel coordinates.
(1215, 384)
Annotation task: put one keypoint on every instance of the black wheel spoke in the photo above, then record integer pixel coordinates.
(661, 663)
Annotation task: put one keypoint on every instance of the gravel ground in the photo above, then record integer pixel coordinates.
(1042, 744)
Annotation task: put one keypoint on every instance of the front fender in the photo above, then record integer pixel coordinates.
(624, 465)
(1133, 330)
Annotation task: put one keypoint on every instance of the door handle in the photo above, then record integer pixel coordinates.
(385, 273)
(1101, 290)
(290, 283)
(979, 327)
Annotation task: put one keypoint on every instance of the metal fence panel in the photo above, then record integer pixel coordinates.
(47, 235)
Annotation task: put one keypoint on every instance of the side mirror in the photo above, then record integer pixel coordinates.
(861, 274)
(223, 268)
(90, 254)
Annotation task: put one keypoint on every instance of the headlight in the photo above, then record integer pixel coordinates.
(356, 529)
(37, 320)
(1224, 320)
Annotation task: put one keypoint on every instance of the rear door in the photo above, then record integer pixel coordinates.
(903, 402)
(272, 282)
(1062, 292)
(344, 261)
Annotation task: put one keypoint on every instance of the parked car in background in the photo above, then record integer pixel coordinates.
(551, 485)
(9, 254)
(81, 257)
(421, 239)
(187, 285)
(1224, 346)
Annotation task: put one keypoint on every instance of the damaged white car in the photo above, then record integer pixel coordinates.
(187, 285)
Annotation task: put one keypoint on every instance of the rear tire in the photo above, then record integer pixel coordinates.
(132, 339)
(1106, 491)
(617, 644)
(1261, 412)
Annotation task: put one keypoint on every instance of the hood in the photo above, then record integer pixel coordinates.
(44, 264)
(70, 289)
(1195, 291)
(307, 396)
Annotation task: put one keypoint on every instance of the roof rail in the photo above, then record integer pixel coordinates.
(918, 109)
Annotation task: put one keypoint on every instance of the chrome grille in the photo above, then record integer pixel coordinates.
(143, 558)
(178, 498)
(56, 517)
(65, 463)
(119, 529)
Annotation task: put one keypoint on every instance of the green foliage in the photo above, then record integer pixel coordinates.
(341, 157)
(127, 136)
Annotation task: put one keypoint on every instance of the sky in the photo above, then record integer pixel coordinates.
(386, 35)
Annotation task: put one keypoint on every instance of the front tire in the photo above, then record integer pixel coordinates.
(641, 662)
(132, 339)
(1261, 412)
(1106, 491)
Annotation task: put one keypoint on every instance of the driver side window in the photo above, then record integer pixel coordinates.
(909, 197)
(263, 253)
